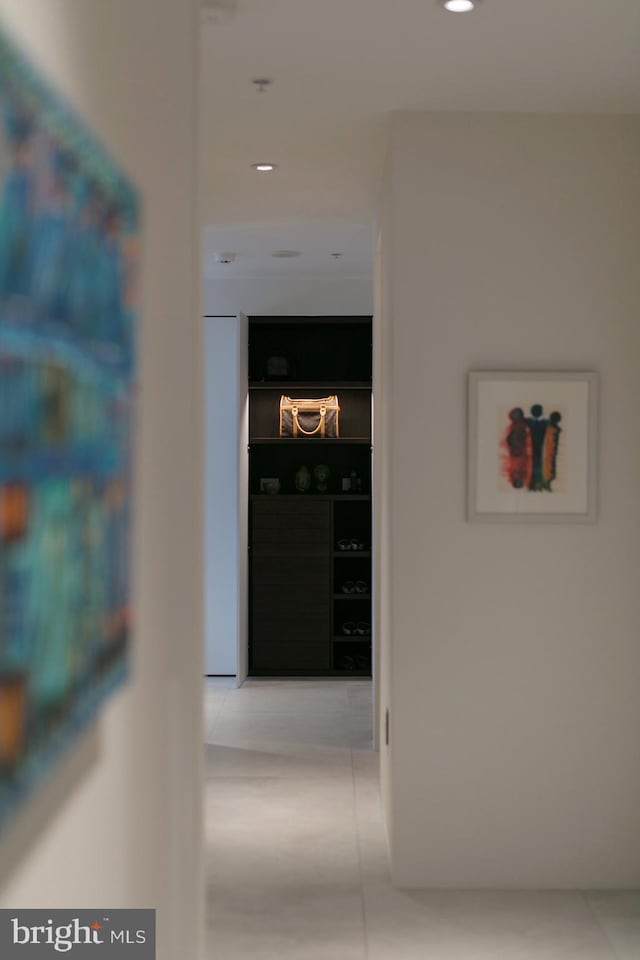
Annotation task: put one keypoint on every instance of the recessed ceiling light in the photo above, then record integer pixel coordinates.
(284, 254)
(264, 167)
(459, 6)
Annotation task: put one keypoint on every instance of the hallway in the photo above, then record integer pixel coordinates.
(296, 857)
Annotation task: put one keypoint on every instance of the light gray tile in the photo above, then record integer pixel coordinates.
(367, 787)
(326, 802)
(274, 829)
(216, 690)
(366, 763)
(304, 855)
(295, 844)
(262, 760)
(285, 921)
(374, 856)
(423, 925)
(618, 914)
(320, 730)
(304, 700)
(360, 696)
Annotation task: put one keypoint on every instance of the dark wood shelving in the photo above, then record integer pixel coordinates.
(362, 497)
(305, 674)
(296, 568)
(353, 554)
(289, 386)
(270, 320)
(352, 639)
(346, 674)
(310, 441)
(352, 596)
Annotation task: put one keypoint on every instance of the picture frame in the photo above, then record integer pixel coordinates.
(531, 446)
(69, 255)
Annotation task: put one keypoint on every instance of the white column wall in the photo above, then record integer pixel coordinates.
(222, 339)
(511, 242)
(129, 832)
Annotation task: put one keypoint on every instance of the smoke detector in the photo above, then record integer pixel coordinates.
(261, 83)
(218, 12)
(224, 257)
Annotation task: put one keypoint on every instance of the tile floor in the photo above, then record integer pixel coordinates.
(296, 857)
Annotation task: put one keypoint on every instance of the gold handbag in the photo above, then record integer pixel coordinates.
(309, 418)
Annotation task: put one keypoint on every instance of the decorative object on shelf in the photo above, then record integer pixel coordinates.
(532, 446)
(278, 366)
(346, 484)
(308, 417)
(68, 316)
(302, 479)
(269, 485)
(321, 475)
(355, 483)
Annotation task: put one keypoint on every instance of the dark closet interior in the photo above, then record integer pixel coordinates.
(310, 568)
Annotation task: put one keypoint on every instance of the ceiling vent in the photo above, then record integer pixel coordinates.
(224, 257)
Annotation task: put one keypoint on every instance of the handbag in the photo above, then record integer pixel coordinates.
(309, 418)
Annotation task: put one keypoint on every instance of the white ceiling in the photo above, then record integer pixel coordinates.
(254, 244)
(341, 66)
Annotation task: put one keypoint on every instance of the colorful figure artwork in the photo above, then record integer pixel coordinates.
(68, 248)
(531, 443)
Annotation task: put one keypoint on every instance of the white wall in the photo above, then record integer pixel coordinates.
(129, 833)
(383, 460)
(512, 242)
(291, 295)
(222, 480)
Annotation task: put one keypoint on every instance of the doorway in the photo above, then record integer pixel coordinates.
(289, 515)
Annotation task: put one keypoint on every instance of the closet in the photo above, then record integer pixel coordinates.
(310, 570)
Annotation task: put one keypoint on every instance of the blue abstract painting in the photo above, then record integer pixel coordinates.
(68, 270)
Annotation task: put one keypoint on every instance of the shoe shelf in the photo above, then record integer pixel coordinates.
(297, 569)
(319, 496)
(352, 596)
(366, 639)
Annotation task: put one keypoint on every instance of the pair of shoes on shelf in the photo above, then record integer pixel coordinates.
(346, 663)
(353, 663)
(360, 629)
(357, 586)
(350, 545)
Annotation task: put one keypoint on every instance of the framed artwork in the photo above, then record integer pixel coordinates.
(68, 254)
(532, 446)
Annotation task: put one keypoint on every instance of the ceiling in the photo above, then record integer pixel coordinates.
(317, 242)
(340, 67)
